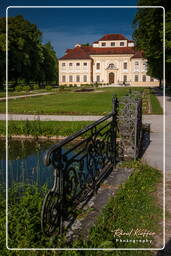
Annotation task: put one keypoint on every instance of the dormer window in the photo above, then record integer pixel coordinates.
(121, 43)
(103, 44)
(112, 43)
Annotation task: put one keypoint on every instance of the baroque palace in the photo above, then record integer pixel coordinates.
(112, 60)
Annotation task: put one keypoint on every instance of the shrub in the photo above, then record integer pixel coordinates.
(48, 87)
(18, 88)
(35, 87)
(26, 88)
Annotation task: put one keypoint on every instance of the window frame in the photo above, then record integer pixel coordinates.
(144, 79)
(71, 80)
(78, 78)
(125, 63)
(98, 78)
(84, 80)
(122, 44)
(98, 66)
(125, 80)
(63, 79)
(136, 78)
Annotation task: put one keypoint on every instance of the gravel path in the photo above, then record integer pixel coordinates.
(49, 117)
(25, 96)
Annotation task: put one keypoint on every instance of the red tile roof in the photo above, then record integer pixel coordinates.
(76, 53)
(84, 52)
(110, 37)
(138, 54)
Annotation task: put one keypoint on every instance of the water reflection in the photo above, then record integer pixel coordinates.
(25, 162)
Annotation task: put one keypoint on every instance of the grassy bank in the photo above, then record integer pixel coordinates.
(41, 128)
(155, 105)
(134, 206)
(69, 102)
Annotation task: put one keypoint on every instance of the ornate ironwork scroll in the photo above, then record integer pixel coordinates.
(79, 168)
(129, 122)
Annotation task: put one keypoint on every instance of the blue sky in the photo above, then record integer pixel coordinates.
(67, 26)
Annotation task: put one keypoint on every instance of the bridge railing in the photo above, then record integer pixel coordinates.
(80, 164)
(83, 160)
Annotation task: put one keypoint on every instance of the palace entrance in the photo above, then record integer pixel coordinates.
(111, 78)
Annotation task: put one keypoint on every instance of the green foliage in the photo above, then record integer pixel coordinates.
(41, 128)
(18, 88)
(133, 206)
(48, 87)
(28, 58)
(26, 88)
(148, 35)
(35, 87)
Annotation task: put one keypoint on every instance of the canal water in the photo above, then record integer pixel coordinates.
(25, 163)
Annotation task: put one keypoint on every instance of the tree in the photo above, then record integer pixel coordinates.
(24, 49)
(148, 36)
(50, 64)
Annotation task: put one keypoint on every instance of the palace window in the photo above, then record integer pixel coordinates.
(63, 79)
(125, 78)
(85, 64)
(145, 66)
(125, 65)
(112, 44)
(63, 64)
(77, 78)
(98, 78)
(136, 78)
(121, 43)
(136, 66)
(77, 64)
(151, 79)
(70, 64)
(85, 78)
(97, 65)
(70, 78)
(103, 44)
(144, 78)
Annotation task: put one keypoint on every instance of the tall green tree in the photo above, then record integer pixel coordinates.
(28, 58)
(148, 35)
(24, 49)
(50, 63)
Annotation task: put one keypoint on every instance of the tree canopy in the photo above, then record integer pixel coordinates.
(28, 58)
(148, 36)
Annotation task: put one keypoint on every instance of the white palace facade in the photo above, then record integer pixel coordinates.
(112, 60)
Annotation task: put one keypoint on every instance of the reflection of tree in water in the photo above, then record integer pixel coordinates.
(25, 162)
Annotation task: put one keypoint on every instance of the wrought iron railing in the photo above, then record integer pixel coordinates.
(79, 168)
(84, 159)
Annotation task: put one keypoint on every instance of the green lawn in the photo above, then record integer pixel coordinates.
(68, 102)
